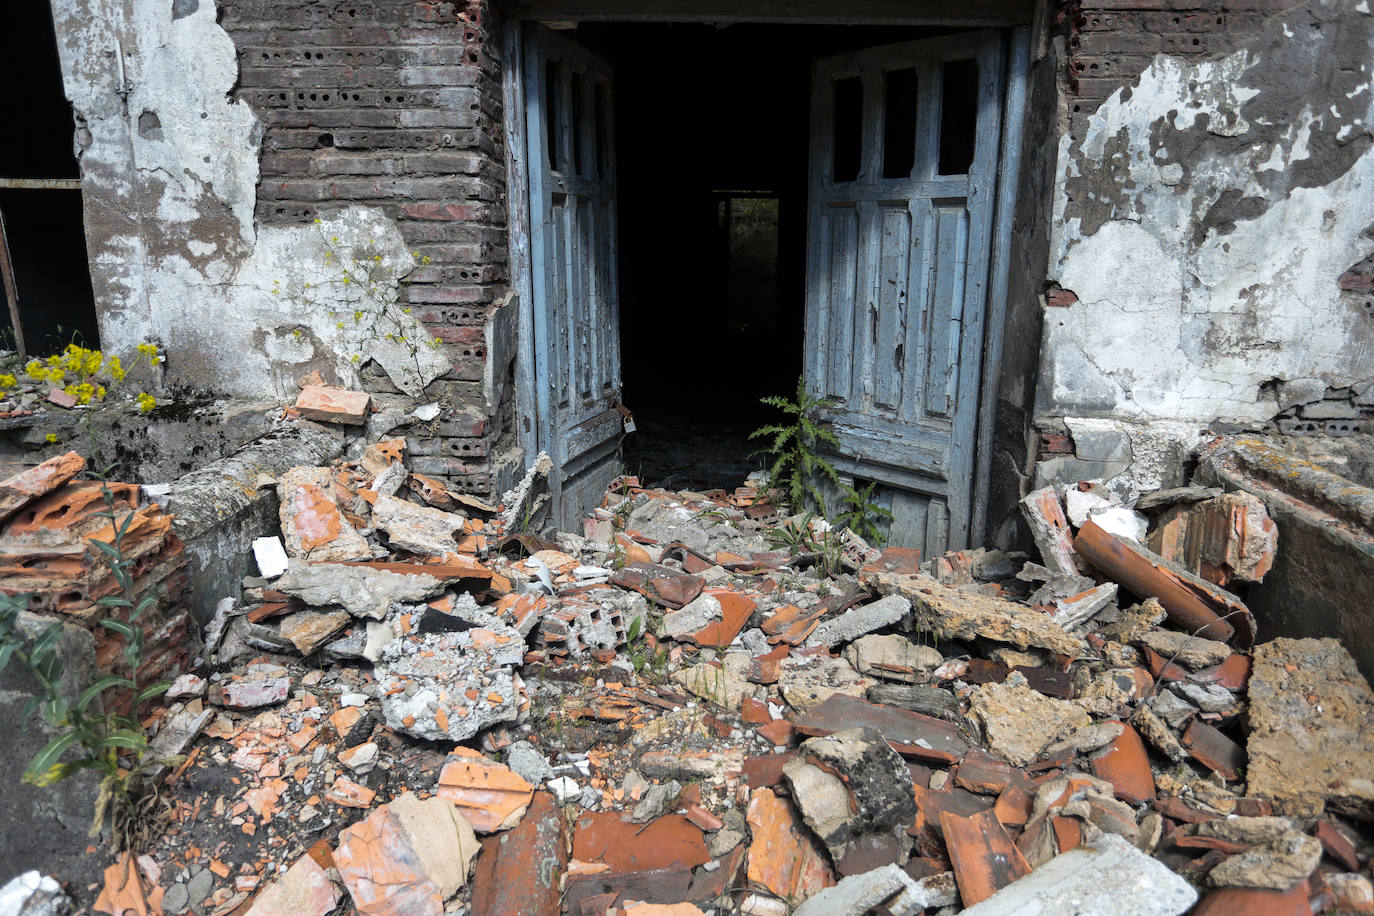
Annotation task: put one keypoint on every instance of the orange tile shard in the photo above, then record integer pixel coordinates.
(985, 859)
(785, 858)
(488, 794)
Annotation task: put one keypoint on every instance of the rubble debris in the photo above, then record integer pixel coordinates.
(304, 890)
(329, 404)
(784, 857)
(309, 630)
(1045, 516)
(23, 488)
(1020, 722)
(420, 530)
(1193, 603)
(855, 623)
(450, 686)
(404, 857)
(950, 613)
(312, 524)
(33, 894)
(1108, 877)
(910, 734)
(519, 870)
(363, 591)
(489, 795)
(1230, 538)
(1276, 865)
(1192, 652)
(861, 894)
(1310, 746)
(893, 658)
(985, 859)
(851, 783)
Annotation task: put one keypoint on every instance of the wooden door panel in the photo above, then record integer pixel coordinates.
(897, 265)
(573, 270)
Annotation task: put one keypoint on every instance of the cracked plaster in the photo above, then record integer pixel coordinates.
(174, 251)
(1203, 221)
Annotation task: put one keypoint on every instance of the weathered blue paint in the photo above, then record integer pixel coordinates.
(897, 275)
(572, 267)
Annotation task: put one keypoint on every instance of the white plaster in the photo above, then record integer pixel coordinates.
(183, 261)
(1171, 330)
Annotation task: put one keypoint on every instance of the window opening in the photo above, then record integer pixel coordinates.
(899, 123)
(848, 123)
(958, 116)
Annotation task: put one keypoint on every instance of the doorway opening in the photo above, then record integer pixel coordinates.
(713, 131)
(46, 288)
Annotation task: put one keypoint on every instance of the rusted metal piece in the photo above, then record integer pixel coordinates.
(1193, 603)
(41, 184)
(11, 291)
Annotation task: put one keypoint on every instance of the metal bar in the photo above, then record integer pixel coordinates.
(11, 292)
(42, 184)
(1008, 185)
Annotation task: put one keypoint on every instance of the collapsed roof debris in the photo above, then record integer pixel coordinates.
(426, 709)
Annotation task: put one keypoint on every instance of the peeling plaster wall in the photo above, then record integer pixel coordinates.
(170, 171)
(1201, 227)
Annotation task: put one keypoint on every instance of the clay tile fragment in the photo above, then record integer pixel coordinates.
(1127, 767)
(489, 794)
(985, 859)
(334, 405)
(519, 870)
(784, 858)
(18, 490)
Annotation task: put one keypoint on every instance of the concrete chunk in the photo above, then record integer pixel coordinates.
(850, 625)
(1108, 877)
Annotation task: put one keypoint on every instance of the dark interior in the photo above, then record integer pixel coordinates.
(43, 227)
(712, 144)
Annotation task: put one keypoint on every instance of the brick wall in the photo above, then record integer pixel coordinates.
(394, 104)
(1112, 41)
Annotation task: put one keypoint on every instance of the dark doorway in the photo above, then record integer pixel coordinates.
(42, 225)
(712, 144)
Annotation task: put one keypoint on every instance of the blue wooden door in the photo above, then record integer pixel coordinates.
(576, 326)
(903, 174)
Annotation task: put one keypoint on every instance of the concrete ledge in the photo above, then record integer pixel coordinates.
(1323, 572)
(219, 509)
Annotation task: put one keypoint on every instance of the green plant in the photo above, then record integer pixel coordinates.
(794, 448)
(104, 740)
(861, 514)
(791, 535)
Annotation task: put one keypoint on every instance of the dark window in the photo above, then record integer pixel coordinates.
(579, 129)
(958, 116)
(553, 104)
(849, 121)
(899, 123)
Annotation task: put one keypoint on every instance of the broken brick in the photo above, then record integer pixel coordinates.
(334, 405)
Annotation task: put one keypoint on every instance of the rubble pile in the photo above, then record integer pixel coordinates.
(693, 705)
(50, 518)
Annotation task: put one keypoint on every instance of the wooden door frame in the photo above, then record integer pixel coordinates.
(535, 431)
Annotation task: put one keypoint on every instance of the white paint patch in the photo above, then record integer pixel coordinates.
(193, 177)
(1172, 329)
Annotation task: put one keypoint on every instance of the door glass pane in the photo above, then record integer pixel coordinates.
(899, 123)
(553, 102)
(849, 134)
(958, 116)
(579, 129)
(603, 131)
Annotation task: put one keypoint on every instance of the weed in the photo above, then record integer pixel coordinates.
(794, 449)
(112, 743)
(862, 515)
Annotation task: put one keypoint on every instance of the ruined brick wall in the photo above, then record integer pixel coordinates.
(394, 105)
(1112, 41)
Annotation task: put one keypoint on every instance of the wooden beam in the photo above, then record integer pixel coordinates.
(849, 12)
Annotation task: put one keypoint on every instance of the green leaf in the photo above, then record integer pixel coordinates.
(45, 759)
(633, 632)
(47, 640)
(124, 738)
(113, 601)
(119, 626)
(108, 549)
(158, 689)
(100, 686)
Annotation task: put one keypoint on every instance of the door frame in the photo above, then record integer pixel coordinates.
(535, 431)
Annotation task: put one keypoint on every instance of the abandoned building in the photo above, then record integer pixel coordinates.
(1008, 245)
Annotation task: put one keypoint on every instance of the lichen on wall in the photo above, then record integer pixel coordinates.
(169, 169)
(1203, 222)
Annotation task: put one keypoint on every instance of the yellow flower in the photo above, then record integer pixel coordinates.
(33, 368)
(100, 392)
(8, 381)
(50, 438)
(116, 368)
(146, 402)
